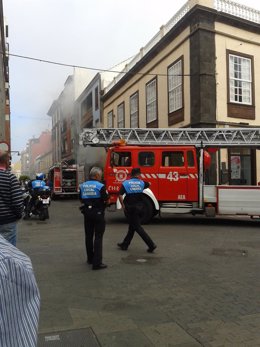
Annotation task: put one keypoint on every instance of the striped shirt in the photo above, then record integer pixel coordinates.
(19, 298)
(11, 198)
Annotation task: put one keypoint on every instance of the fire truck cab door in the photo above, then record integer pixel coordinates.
(173, 176)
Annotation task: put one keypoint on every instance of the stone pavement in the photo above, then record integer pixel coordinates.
(200, 288)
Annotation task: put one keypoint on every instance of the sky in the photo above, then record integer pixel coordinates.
(91, 33)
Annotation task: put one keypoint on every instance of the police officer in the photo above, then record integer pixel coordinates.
(38, 182)
(34, 187)
(94, 196)
(132, 204)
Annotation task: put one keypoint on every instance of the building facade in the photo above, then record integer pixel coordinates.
(4, 82)
(37, 156)
(88, 114)
(201, 70)
(43, 162)
(25, 162)
(79, 106)
(64, 122)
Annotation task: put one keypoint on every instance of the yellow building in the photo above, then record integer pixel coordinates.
(202, 69)
(16, 168)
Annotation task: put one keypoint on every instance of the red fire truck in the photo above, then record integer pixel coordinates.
(64, 180)
(174, 162)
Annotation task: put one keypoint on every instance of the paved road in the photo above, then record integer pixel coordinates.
(200, 288)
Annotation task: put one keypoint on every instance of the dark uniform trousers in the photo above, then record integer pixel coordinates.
(133, 216)
(94, 223)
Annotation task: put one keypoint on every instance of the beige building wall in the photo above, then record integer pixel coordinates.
(241, 41)
(157, 66)
(244, 42)
(227, 37)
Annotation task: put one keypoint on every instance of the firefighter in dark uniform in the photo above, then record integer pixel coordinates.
(132, 204)
(94, 196)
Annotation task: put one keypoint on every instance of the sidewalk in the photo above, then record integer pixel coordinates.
(200, 288)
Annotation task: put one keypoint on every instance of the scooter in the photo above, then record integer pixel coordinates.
(37, 203)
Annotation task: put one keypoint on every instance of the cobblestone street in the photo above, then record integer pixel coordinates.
(199, 288)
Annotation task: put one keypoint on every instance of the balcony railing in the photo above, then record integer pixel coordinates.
(238, 10)
(225, 6)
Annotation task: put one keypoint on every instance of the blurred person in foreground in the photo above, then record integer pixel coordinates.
(11, 200)
(94, 196)
(132, 205)
(19, 298)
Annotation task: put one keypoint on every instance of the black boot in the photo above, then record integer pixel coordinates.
(123, 246)
(151, 249)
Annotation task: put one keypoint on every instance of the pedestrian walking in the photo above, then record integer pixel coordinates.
(11, 200)
(132, 204)
(19, 298)
(94, 196)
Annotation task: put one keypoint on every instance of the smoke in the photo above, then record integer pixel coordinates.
(91, 156)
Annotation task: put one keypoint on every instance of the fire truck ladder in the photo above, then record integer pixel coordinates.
(198, 137)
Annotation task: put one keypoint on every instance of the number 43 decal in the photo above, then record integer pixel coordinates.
(173, 176)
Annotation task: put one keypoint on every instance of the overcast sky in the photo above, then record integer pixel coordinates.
(91, 33)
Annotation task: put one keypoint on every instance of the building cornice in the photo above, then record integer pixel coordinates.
(179, 27)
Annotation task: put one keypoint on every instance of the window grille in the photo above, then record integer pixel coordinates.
(175, 86)
(134, 111)
(110, 123)
(120, 116)
(151, 101)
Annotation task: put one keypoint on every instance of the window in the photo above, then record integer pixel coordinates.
(190, 158)
(86, 106)
(110, 120)
(121, 115)
(175, 92)
(134, 111)
(96, 98)
(172, 159)
(241, 87)
(121, 159)
(175, 85)
(240, 79)
(241, 165)
(87, 112)
(146, 158)
(151, 101)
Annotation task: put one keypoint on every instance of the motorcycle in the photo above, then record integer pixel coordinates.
(37, 203)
